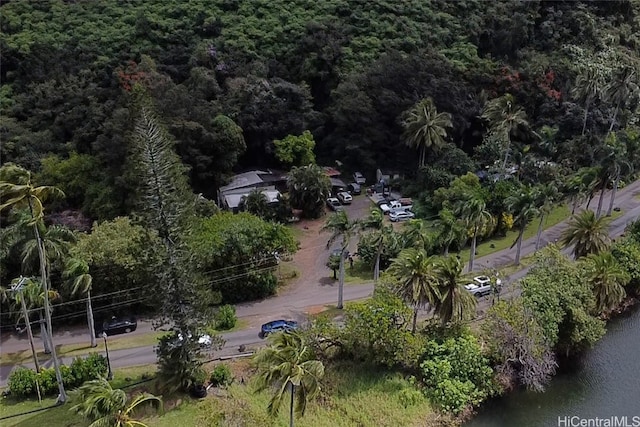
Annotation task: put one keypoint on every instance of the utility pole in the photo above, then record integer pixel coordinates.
(18, 287)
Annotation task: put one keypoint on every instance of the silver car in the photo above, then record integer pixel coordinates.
(401, 216)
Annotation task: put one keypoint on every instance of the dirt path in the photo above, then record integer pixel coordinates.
(311, 259)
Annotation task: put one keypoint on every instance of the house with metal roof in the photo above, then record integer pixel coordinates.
(269, 182)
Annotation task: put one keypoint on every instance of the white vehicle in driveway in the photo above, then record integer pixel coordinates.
(359, 178)
(345, 198)
(482, 286)
(401, 216)
(334, 204)
(391, 206)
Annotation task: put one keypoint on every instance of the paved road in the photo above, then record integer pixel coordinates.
(295, 303)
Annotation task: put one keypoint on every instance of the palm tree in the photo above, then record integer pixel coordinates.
(456, 304)
(449, 230)
(588, 88)
(607, 279)
(523, 207)
(417, 234)
(16, 190)
(77, 272)
(610, 165)
(416, 274)
(309, 186)
(341, 228)
(475, 215)
(375, 222)
(255, 202)
(574, 189)
(35, 299)
(18, 298)
(425, 128)
(591, 181)
(586, 233)
(105, 406)
(621, 90)
(618, 164)
(546, 196)
(505, 117)
(288, 363)
(56, 239)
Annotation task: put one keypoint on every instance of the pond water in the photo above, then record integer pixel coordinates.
(604, 383)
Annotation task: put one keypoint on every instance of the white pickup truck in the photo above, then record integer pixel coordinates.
(396, 205)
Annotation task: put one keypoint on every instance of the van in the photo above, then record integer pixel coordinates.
(345, 198)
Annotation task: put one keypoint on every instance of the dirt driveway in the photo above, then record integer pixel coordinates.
(310, 260)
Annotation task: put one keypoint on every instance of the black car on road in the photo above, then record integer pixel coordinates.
(116, 325)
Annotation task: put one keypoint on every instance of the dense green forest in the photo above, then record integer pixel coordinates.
(345, 70)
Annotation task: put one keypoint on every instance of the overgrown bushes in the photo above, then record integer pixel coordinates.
(221, 376)
(24, 382)
(456, 374)
(226, 317)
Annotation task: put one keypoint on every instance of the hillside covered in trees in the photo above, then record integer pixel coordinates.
(345, 70)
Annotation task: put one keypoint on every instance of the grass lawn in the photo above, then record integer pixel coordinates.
(117, 342)
(286, 272)
(61, 416)
(354, 394)
(557, 215)
(360, 273)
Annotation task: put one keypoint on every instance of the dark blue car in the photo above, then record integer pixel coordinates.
(278, 326)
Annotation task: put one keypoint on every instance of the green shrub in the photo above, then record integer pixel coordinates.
(96, 366)
(47, 381)
(456, 374)
(68, 379)
(221, 376)
(82, 370)
(22, 382)
(226, 317)
(410, 397)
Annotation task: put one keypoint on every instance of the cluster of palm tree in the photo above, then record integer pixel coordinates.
(621, 90)
(17, 191)
(588, 235)
(436, 282)
(505, 119)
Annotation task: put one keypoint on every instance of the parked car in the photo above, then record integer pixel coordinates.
(359, 178)
(117, 325)
(389, 206)
(204, 340)
(278, 326)
(354, 188)
(401, 216)
(334, 204)
(482, 286)
(345, 198)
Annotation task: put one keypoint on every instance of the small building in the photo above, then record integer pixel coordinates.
(386, 176)
(269, 182)
(337, 185)
(232, 201)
